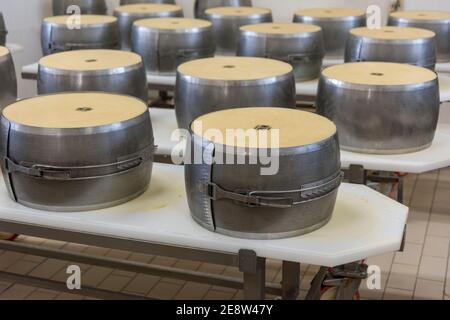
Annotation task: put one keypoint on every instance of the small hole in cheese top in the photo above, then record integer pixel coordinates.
(3, 51)
(330, 12)
(379, 73)
(147, 8)
(90, 60)
(85, 19)
(422, 15)
(243, 68)
(173, 23)
(63, 110)
(393, 33)
(237, 11)
(296, 128)
(281, 28)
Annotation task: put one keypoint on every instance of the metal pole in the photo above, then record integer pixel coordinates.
(291, 280)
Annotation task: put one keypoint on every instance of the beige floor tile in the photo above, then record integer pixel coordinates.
(118, 254)
(68, 296)
(223, 289)
(48, 268)
(432, 268)
(22, 267)
(192, 290)
(411, 254)
(8, 258)
(232, 272)
(96, 251)
(42, 294)
(114, 283)
(426, 289)
(17, 292)
(415, 232)
(164, 261)
(164, 291)
(439, 224)
(397, 294)
(383, 261)
(54, 244)
(4, 286)
(35, 259)
(75, 247)
(187, 265)
(211, 268)
(371, 294)
(239, 295)
(436, 246)
(219, 295)
(142, 284)
(402, 277)
(141, 257)
(94, 276)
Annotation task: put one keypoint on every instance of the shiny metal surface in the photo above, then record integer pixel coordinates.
(8, 81)
(202, 5)
(164, 50)
(226, 30)
(126, 20)
(195, 96)
(108, 165)
(129, 80)
(124, 2)
(304, 52)
(58, 38)
(320, 161)
(381, 119)
(335, 31)
(441, 28)
(60, 7)
(419, 52)
(3, 30)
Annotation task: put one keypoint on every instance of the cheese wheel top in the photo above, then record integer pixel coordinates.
(237, 11)
(173, 23)
(3, 51)
(422, 15)
(90, 60)
(74, 110)
(379, 73)
(295, 128)
(234, 68)
(85, 19)
(147, 8)
(393, 33)
(281, 28)
(330, 12)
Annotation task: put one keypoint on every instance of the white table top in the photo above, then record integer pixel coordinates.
(306, 88)
(435, 157)
(365, 223)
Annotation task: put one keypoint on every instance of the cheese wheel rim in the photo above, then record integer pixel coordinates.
(146, 9)
(336, 14)
(239, 12)
(151, 25)
(4, 52)
(422, 16)
(87, 20)
(305, 30)
(387, 34)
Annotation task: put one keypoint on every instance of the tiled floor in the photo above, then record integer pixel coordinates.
(421, 272)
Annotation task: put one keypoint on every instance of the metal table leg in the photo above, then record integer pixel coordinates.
(254, 270)
(291, 280)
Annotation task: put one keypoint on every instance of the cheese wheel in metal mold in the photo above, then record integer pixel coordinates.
(3, 30)
(128, 14)
(436, 21)
(297, 193)
(165, 43)
(202, 5)
(76, 151)
(300, 45)
(227, 21)
(335, 23)
(66, 33)
(213, 84)
(392, 44)
(380, 107)
(125, 2)
(8, 82)
(66, 7)
(93, 70)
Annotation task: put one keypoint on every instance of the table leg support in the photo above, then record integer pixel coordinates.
(291, 280)
(254, 270)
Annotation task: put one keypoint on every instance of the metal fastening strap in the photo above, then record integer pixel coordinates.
(276, 199)
(304, 56)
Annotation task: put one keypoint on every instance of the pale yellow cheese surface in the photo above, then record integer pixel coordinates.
(3, 51)
(234, 68)
(281, 28)
(147, 8)
(422, 15)
(74, 110)
(393, 33)
(295, 128)
(173, 23)
(90, 60)
(85, 19)
(330, 12)
(237, 11)
(379, 73)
